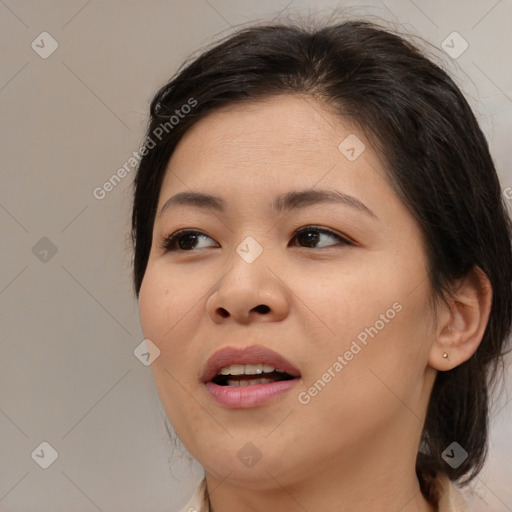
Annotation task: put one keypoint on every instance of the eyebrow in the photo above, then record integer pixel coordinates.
(282, 203)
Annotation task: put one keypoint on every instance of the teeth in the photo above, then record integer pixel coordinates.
(262, 380)
(247, 369)
(234, 369)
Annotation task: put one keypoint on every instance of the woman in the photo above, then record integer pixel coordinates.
(323, 260)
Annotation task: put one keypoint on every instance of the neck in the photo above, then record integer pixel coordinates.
(349, 491)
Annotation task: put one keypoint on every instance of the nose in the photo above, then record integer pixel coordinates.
(249, 292)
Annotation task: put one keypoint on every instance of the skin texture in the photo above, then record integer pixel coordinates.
(352, 446)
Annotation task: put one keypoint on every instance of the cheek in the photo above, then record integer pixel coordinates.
(162, 311)
(374, 384)
(151, 305)
(379, 324)
(163, 304)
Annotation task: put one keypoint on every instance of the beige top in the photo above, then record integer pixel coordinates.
(450, 499)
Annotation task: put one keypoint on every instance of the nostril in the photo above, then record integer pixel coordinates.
(262, 308)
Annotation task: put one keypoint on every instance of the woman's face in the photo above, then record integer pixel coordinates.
(347, 308)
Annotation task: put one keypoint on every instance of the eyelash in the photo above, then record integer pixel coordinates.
(169, 242)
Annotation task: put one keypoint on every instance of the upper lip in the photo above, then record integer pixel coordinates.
(253, 354)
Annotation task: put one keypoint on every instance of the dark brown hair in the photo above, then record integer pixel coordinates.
(436, 156)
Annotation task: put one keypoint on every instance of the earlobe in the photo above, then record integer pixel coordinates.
(462, 321)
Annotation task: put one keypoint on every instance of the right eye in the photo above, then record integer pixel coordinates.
(182, 240)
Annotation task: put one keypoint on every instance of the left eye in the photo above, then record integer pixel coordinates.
(186, 239)
(312, 234)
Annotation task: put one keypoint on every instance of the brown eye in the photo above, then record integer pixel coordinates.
(183, 240)
(311, 235)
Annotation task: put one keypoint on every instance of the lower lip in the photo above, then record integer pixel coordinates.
(254, 395)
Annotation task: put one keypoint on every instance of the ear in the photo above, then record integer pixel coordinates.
(462, 322)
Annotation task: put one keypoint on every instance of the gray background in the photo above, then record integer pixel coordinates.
(69, 322)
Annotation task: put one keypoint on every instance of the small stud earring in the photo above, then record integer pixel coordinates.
(445, 355)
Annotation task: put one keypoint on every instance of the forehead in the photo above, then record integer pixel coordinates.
(269, 142)
(268, 124)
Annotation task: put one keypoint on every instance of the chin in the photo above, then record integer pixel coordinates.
(246, 468)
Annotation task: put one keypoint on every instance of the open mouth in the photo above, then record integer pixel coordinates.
(247, 378)
(251, 379)
(256, 369)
